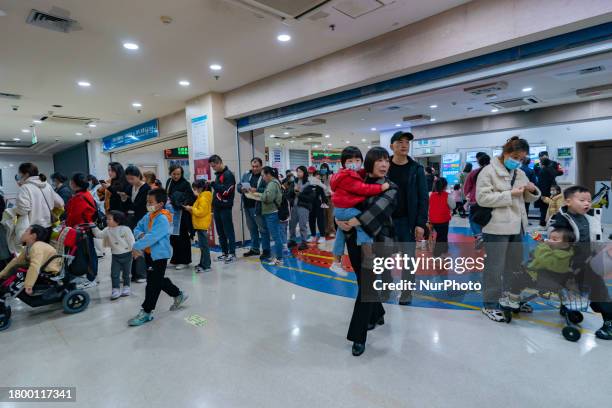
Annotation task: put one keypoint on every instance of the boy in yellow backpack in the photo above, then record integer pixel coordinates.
(153, 238)
(201, 216)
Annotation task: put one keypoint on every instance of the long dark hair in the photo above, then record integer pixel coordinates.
(439, 185)
(31, 170)
(119, 182)
(305, 173)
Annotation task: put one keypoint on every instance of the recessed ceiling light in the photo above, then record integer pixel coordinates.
(216, 67)
(398, 125)
(433, 106)
(310, 138)
(184, 83)
(272, 136)
(527, 89)
(3, 143)
(137, 105)
(494, 110)
(84, 84)
(37, 121)
(348, 142)
(291, 141)
(278, 144)
(286, 133)
(327, 136)
(16, 139)
(329, 144)
(432, 119)
(373, 129)
(78, 134)
(92, 125)
(315, 146)
(25, 130)
(130, 46)
(284, 37)
(364, 140)
(362, 118)
(11, 165)
(369, 147)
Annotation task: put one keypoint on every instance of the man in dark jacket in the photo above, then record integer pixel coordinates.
(410, 215)
(546, 171)
(530, 175)
(249, 183)
(224, 189)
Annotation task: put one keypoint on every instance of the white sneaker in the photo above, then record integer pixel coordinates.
(322, 240)
(510, 302)
(141, 280)
(85, 283)
(182, 266)
(126, 291)
(230, 258)
(337, 268)
(115, 294)
(221, 258)
(494, 314)
(276, 262)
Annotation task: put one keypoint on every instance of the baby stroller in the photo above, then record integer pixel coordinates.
(570, 296)
(49, 288)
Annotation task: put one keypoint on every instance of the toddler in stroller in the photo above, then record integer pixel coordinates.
(38, 275)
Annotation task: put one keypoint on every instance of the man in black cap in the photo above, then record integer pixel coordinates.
(410, 216)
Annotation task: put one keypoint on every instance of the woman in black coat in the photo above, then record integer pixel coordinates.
(114, 187)
(180, 194)
(376, 221)
(134, 205)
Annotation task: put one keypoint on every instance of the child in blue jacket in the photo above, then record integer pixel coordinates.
(153, 239)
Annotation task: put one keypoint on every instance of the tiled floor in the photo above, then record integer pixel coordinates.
(270, 343)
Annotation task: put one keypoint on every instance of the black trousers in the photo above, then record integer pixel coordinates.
(156, 282)
(364, 313)
(181, 244)
(543, 211)
(441, 239)
(317, 218)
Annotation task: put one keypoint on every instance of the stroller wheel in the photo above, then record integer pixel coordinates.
(75, 301)
(571, 333)
(575, 316)
(507, 315)
(5, 319)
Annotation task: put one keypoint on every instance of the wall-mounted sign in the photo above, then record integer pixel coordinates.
(277, 158)
(176, 153)
(451, 167)
(135, 134)
(427, 143)
(564, 153)
(199, 137)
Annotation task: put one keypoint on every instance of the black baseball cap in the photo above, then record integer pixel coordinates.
(400, 134)
(543, 153)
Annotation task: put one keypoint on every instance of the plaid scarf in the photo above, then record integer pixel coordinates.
(377, 210)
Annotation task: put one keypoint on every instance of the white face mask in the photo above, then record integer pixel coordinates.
(151, 208)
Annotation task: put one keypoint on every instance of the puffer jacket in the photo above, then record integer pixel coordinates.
(201, 212)
(271, 198)
(493, 191)
(35, 200)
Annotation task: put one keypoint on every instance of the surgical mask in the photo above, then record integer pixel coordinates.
(545, 161)
(512, 164)
(151, 208)
(323, 171)
(353, 166)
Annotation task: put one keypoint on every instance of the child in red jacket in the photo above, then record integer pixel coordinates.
(349, 190)
(440, 206)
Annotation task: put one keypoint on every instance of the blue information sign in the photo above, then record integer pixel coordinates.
(135, 134)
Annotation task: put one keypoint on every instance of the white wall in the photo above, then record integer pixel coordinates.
(9, 164)
(150, 155)
(566, 135)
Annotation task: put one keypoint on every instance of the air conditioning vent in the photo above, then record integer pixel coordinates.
(56, 20)
(313, 122)
(515, 103)
(284, 8)
(569, 75)
(6, 95)
(358, 8)
(485, 89)
(416, 118)
(72, 120)
(594, 91)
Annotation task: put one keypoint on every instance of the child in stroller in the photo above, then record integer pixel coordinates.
(38, 277)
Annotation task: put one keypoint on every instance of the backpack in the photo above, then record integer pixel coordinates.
(98, 218)
(283, 208)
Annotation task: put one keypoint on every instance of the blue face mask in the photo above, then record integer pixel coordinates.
(353, 166)
(512, 164)
(323, 171)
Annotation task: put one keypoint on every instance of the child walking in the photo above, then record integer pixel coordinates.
(457, 197)
(201, 216)
(120, 239)
(440, 205)
(349, 190)
(153, 239)
(555, 201)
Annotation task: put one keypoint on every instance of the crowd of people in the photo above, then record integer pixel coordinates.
(376, 199)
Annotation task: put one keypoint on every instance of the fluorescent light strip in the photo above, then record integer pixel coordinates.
(443, 83)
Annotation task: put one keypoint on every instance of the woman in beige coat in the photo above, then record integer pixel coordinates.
(505, 188)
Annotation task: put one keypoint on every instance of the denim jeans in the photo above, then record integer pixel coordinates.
(345, 214)
(251, 221)
(283, 226)
(476, 228)
(204, 249)
(299, 215)
(274, 226)
(225, 230)
(263, 232)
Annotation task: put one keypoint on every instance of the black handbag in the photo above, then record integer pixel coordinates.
(482, 215)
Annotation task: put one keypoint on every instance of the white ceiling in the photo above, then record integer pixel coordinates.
(44, 66)
(452, 104)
